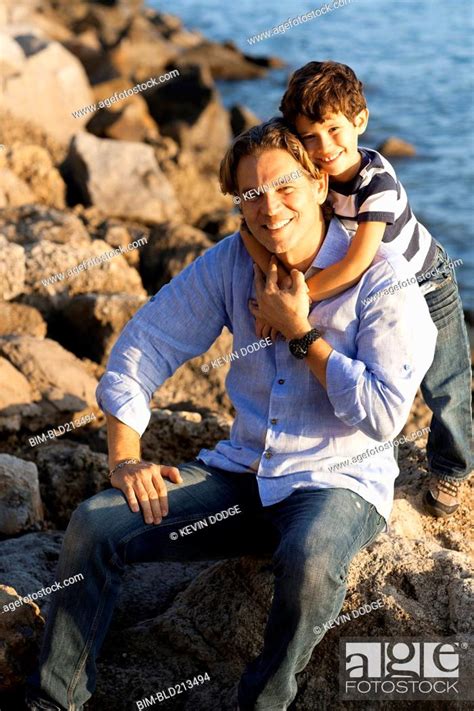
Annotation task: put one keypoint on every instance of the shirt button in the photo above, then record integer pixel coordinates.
(281, 381)
(274, 420)
(268, 455)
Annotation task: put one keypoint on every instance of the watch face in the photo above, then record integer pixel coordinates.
(298, 350)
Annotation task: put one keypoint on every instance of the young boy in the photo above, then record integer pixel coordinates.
(325, 105)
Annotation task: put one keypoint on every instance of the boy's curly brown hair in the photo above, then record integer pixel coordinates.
(320, 88)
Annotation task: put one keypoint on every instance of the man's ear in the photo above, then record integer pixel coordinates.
(320, 187)
(361, 121)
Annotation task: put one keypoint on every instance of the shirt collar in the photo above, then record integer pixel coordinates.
(334, 247)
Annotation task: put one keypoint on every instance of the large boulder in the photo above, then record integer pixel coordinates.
(143, 52)
(175, 437)
(55, 272)
(20, 501)
(188, 109)
(89, 324)
(170, 248)
(48, 70)
(34, 167)
(127, 119)
(98, 167)
(21, 627)
(17, 400)
(12, 269)
(198, 387)
(13, 190)
(29, 224)
(69, 473)
(55, 375)
(20, 319)
(223, 61)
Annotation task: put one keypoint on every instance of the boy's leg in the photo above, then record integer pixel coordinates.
(447, 392)
(320, 532)
(104, 536)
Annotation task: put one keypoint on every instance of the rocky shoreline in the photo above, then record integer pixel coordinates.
(97, 212)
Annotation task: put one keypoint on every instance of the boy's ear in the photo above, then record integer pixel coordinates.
(361, 121)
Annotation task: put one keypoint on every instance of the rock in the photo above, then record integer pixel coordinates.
(217, 624)
(241, 119)
(33, 223)
(219, 224)
(16, 398)
(90, 324)
(69, 473)
(405, 521)
(12, 269)
(12, 58)
(56, 272)
(126, 119)
(188, 109)
(224, 62)
(170, 248)
(15, 130)
(189, 388)
(29, 563)
(33, 165)
(54, 374)
(20, 631)
(94, 58)
(49, 70)
(194, 179)
(13, 190)
(394, 147)
(120, 234)
(143, 52)
(20, 502)
(173, 438)
(98, 166)
(18, 319)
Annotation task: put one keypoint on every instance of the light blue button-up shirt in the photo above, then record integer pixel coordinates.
(288, 429)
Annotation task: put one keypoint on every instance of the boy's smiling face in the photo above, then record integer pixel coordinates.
(332, 143)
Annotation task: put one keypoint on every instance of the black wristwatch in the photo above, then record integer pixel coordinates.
(299, 346)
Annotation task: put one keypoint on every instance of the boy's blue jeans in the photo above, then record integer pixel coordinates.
(446, 386)
(312, 535)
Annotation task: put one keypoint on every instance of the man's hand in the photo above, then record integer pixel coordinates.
(143, 486)
(285, 309)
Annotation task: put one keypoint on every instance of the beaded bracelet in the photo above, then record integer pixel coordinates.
(122, 464)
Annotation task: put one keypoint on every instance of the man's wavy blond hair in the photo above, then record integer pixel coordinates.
(274, 133)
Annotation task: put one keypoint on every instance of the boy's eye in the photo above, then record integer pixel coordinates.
(286, 190)
(333, 129)
(308, 139)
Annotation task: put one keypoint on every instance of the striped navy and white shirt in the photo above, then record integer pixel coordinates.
(376, 195)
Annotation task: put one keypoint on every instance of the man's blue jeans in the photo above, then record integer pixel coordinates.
(312, 535)
(446, 386)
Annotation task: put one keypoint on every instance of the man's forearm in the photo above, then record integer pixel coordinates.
(318, 352)
(123, 441)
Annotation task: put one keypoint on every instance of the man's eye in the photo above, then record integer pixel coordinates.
(286, 190)
(333, 129)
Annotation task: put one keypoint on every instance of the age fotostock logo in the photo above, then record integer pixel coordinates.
(405, 669)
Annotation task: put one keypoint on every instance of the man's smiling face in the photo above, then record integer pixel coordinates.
(285, 218)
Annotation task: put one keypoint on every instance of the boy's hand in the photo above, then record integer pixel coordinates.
(263, 329)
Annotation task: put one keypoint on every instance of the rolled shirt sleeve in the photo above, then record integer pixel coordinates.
(395, 346)
(180, 322)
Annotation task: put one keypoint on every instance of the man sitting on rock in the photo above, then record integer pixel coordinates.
(339, 380)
